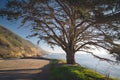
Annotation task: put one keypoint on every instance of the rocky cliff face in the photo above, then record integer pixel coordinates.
(12, 45)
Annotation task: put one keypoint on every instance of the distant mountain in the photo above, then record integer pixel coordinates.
(12, 45)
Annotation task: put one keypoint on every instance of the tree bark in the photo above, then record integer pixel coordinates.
(70, 57)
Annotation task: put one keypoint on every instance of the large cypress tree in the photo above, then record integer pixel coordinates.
(73, 25)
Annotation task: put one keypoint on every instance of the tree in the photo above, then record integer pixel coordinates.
(74, 25)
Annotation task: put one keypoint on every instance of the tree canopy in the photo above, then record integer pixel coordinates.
(74, 25)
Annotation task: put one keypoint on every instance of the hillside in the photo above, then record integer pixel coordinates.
(12, 45)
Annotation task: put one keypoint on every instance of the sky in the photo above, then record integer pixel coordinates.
(23, 32)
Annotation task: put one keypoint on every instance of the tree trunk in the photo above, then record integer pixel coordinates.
(70, 57)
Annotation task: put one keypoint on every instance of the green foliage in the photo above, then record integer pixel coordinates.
(74, 25)
(114, 51)
(73, 72)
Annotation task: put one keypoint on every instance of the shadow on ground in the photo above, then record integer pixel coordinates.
(26, 74)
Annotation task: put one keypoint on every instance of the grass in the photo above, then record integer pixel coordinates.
(74, 72)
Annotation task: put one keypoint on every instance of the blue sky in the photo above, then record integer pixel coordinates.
(23, 32)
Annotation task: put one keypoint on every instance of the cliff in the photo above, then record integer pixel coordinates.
(12, 45)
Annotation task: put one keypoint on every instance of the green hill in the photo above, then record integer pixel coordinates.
(12, 45)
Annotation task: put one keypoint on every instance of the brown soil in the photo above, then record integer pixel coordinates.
(24, 69)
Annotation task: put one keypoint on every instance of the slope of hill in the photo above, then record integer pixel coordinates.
(12, 45)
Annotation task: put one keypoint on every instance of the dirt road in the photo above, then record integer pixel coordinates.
(24, 69)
